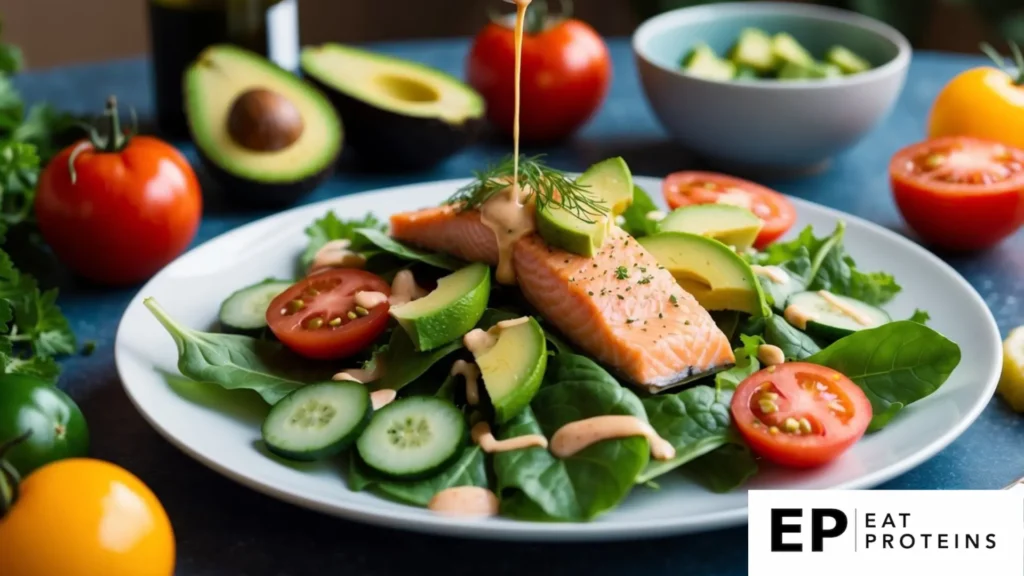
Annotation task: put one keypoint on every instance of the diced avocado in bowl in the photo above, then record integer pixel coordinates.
(702, 62)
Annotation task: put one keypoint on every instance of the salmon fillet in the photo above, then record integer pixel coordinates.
(643, 326)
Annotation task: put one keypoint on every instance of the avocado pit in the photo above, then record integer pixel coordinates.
(264, 121)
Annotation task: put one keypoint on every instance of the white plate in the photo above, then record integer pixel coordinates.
(225, 437)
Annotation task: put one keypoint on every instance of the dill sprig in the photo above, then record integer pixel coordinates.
(548, 188)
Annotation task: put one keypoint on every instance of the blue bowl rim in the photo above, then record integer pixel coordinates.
(809, 11)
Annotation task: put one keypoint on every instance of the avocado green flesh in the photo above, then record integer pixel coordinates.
(817, 71)
(392, 84)
(731, 225)
(753, 50)
(709, 270)
(512, 369)
(610, 184)
(704, 63)
(220, 74)
(846, 60)
(449, 311)
(787, 49)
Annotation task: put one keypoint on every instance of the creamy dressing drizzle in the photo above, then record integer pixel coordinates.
(464, 501)
(770, 355)
(404, 289)
(773, 273)
(471, 373)
(381, 398)
(845, 308)
(576, 436)
(335, 254)
(656, 215)
(506, 213)
(370, 300)
(798, 317)
(360, 375)
(482, 437)
(478, 341)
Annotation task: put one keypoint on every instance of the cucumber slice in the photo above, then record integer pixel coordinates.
(820, 317)
(245, 310)
(704, 63)
(317, 421)
(413, 437)
(847, 61)
(753, 51)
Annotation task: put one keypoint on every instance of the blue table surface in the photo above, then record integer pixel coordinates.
(223, 528)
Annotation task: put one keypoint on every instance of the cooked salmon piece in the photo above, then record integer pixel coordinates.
(619, 307)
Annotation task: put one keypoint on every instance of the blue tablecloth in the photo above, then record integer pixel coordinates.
(223, 528)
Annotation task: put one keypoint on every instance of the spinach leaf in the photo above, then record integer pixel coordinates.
(391, 246)
(635, 220)
(727, 321)
(723, 469)
(330, 227)
(831, 267)
(746, 364)
(238, 362)
(695, 421)
(403, 364)
(797, 273)
(469, 470)
(895, 364)
(533, 484)
(795, 345)
(920, 316)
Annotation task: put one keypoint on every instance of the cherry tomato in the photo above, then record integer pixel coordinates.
(565, 73)
(85, 517)
(960, 193)
(117, 211)
(983, 102)
(685, 188)
(58, 429)
(800, 415)
(318, 318)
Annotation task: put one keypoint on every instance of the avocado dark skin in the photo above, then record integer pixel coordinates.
(384, 139)
(268, 195)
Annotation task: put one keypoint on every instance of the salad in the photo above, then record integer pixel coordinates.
(540, 346)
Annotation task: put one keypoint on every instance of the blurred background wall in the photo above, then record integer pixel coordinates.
(55, 32)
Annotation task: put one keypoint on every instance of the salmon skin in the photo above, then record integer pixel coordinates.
(619, 306)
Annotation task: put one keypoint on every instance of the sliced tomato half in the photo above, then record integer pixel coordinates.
(960, 193)
(777, 212)
(800, 415)
(318, 318)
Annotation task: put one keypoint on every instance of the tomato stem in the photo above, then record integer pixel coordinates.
(115, 140)
(1000, 62)
(9, 477)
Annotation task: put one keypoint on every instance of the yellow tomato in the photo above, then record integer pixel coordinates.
(85, 517)
(985, 103)
(1011, 382)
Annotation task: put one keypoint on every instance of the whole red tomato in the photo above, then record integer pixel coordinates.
(565, 72)
(117, 209)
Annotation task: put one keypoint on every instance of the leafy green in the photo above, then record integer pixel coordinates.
(797, 271)
(895, 364)
(724, 469)
(635, 220)
(746, 364)
(695, 421)
(376, 237)
(238, 362)
(795, 345)
(920, 316)
(330, 227)
(831, 268)
(534, 484)
(469, 470)
(403, 364)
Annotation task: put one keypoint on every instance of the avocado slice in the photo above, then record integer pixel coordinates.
(449, 311)
(704, 63)
(731, 225)
(513, 368)
(847, 61)
(609, 183)
(400, 115)
(709, 270)
(753, 50)
(264, 134)
(818, 71)
(787, 50)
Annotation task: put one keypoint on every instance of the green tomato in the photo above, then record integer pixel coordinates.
(57, 425)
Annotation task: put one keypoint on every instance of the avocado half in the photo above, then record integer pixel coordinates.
(398, 114)
(230, 92)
